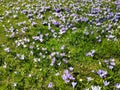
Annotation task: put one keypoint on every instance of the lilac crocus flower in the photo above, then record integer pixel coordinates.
(63, 47)
(117, 2)
(102, 73)
(112, 63)
(53, 61)
(64, 77)
(110, 67)
(66, 9)
(89, 79)
(106, 83)
(62, 54)
(106, 61)
(71, 68)
(110, 36)
(117, 86)
(67, 76)
(65, 61)
(117, 16)
(57, 9)
(56, 23)
(34, 23)
(24, 11)
(50, 85)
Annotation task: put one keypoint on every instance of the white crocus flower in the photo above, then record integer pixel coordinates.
(95, 87)
(74, 84)
(7, 49)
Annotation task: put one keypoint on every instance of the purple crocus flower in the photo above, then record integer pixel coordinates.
(71, 77)
(117, 16)
(56, 23)
(66, 9)
(63, 29)
(102, 73)
(117, 3)
(67, 76)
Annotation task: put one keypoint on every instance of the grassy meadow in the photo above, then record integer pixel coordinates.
(59, 45)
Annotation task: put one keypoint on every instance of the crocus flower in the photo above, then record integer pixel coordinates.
(5, 65)
(65, 61)
(112, 63)
(66, 9)
(89, 79)
(53, 61)
(117, 16)
(22, 57)
(15, 84)
(106, 83)
(117, 86)
(71, 68)
(7, 49)
(62, 48)
(64, 77)
(102, 73)
(74, 84)
(110, 67)
(34, 23)
(56, 23)
(50, 85)
(96, 87)
(117, 2)
(67, 76)
(57, 9)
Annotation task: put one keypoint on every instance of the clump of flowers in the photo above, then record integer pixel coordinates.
(67, 76)
(110, 63)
